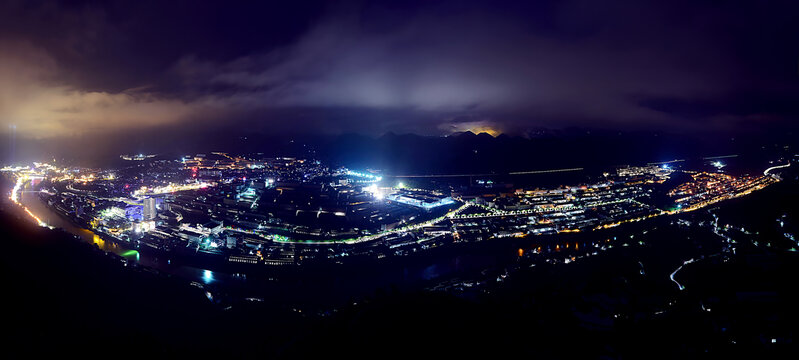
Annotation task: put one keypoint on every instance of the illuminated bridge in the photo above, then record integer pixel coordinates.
(476, 175)
(776, 167)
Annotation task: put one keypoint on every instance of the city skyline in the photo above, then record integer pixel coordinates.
(362, 178)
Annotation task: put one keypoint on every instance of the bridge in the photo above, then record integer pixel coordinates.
(531, 172)
(775, 168)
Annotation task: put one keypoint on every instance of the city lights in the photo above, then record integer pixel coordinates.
(446, 179)
(248, 204)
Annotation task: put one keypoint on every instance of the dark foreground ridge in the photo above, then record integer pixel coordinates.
(63, 296)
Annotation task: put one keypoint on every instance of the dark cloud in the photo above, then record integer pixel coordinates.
(405, 67)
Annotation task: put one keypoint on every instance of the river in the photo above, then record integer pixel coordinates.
(30, 199)
(329, 285)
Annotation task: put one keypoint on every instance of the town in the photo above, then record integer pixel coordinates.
(280, 211)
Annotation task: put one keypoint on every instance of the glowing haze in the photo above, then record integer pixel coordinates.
(109, 67)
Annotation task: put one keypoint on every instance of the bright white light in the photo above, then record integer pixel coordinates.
(375, 191)
(208, 276)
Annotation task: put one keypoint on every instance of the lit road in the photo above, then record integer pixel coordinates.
(545, 171)
(686, 262)
(666, 162)
(366, 238)
(719, 157)
(20, 183)
(24, 175)
(510, 173)
(776, 167)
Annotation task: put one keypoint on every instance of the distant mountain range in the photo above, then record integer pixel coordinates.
(483, 153)
(460, 152)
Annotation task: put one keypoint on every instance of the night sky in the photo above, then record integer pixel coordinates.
(72, 68)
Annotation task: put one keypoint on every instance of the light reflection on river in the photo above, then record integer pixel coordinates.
(30, 199)
(338, 286)
(433, 268)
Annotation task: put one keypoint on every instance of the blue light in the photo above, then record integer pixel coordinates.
(208, 276)
(369, 177)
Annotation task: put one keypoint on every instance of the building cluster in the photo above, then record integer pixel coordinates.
(246, 209)
(136, 157)
(661, 171)
(281, 211)
(706, 188)
(551, 211)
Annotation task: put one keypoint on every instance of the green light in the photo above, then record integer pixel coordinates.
(130, 253)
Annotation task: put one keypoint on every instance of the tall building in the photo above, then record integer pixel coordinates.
(149, 211)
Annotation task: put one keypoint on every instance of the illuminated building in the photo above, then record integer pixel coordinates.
(149, 210)
(420, 200)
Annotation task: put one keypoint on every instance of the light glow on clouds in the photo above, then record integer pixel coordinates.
(480, 68)
(40, 107)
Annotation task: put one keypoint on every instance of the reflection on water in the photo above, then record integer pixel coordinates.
(434, 268)
(208, 276)
(98, 241)
(30, 199)
(131, 254)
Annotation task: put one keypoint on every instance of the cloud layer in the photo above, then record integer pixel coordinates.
(427, 68)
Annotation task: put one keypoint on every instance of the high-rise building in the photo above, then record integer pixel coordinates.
(149, 211)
